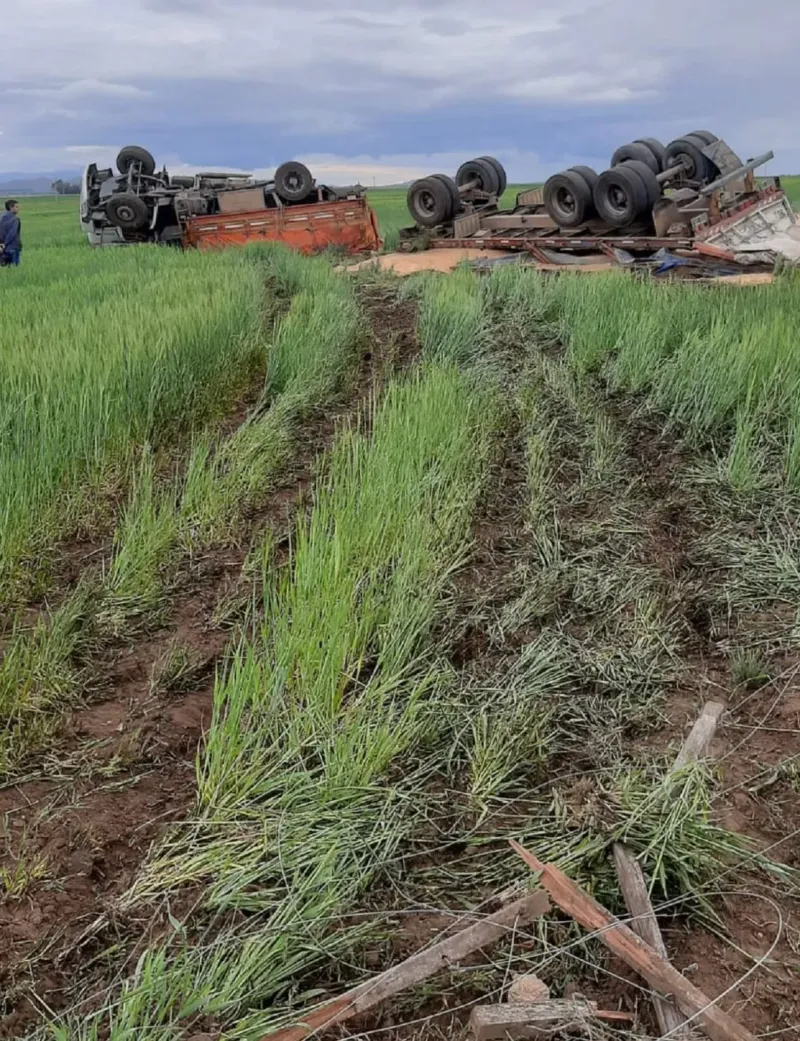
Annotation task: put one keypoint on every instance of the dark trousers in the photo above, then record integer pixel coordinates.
(10, 257)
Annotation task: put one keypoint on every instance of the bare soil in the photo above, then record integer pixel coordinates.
(86, 813)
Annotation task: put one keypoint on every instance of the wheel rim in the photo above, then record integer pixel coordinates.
(565, 201)
(126, 213)
(294, 182)
(617, 199)
(426, 202)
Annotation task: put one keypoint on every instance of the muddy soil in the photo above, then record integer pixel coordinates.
(79, 823)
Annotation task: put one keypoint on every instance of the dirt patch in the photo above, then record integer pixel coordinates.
(78, 827)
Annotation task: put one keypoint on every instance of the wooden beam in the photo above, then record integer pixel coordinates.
(625, 944)
(539, 1020)
(418, 967)
(644, 924)
(696, 744)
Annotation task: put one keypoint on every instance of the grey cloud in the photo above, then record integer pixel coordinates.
(444, 27)
(337, 70)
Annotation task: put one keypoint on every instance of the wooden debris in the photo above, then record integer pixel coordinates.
(418, 967)
(528, 989)
(539, 1020)
(696, 744)
(623, 942)
(632, 880)
(644, 924)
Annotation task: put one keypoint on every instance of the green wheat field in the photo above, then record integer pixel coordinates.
(316, 589)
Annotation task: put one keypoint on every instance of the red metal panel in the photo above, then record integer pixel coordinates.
(349, 225)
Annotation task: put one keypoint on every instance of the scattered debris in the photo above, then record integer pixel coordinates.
(632, 881)
(419, 967)
(403, 264)
(539, 1020)
(528, 989)
(696, 744)
(644, 924)
(640, 956)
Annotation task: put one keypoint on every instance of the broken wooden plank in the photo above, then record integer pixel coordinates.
(528, 989)
(641, 957)
(644, 923)
(696, 744)
(539, 1020)
(418, 967)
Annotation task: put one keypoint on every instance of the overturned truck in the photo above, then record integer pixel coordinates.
(139, 204)
(694, 196)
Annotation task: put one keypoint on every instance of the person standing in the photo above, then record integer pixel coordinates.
(10, 234)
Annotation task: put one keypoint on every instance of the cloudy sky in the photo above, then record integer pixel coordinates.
(386, 90)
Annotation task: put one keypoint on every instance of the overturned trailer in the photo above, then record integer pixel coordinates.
(138, 204)
(693, 199)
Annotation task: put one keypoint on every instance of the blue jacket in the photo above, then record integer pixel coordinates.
(10, 231)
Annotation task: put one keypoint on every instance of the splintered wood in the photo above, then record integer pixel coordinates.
(419, 967)
(644, 923)
(696, 744)
(640, 956)
(541, 1020)
(632, 881)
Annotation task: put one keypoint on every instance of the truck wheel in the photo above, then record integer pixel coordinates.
(481, 171)
(131, 154)
(620, 196)
(705, 136)
(452, 187)
(429, 202)
(568, 199)
(636, 150)
(293, 182)
(127, 211)
(500, 170)
(688, 150)
(587, 173)
(655, 147)
(648, 179)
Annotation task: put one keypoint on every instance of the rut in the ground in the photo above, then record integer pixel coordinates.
(82, 818)
(592, 530)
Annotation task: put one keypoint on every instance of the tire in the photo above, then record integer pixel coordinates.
(620, 196)
(655, 147)
(648, 179)
(499, 169)
(568, 199)
(482, 172)
(429, 202)
(452, 187)
(181, 181)
(293, 182)
(131, 154)
(705, 136)
(587, 173)
(689, 150)
(636, 150)
(127, 211)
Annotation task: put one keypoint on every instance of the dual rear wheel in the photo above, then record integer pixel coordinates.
(437, 199)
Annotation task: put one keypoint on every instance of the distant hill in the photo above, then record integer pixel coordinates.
(33, 184)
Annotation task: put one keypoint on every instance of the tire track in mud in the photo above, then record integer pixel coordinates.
(124, 769)
(655, 476)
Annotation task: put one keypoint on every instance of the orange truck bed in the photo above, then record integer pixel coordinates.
(349, 224)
